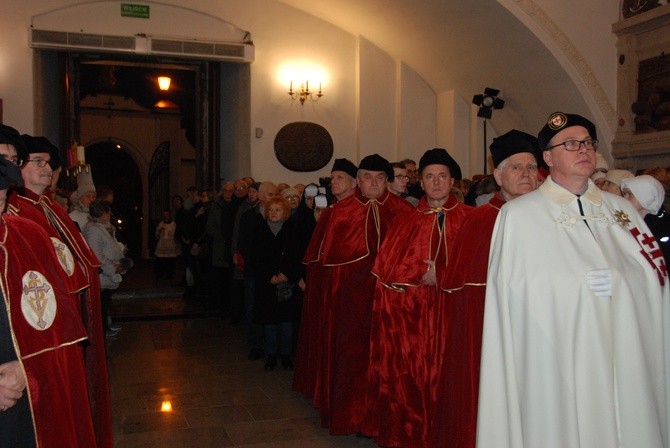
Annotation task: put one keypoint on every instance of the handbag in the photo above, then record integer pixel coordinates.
(284, 291)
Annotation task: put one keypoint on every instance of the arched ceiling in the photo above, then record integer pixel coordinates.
(463, 46)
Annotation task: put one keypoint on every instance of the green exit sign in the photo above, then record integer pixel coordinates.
(132, 10)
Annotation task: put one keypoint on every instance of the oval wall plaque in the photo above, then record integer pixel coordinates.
(303, 146)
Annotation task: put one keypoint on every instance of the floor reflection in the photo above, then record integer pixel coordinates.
(171, 351)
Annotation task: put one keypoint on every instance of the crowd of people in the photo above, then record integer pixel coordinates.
(528, 307)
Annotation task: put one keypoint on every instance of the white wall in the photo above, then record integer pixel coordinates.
(391, 113)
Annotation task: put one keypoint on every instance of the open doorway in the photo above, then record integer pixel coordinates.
(112, 166)
(106, 103)
(87, 98)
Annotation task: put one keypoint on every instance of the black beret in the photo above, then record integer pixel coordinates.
(345, 165)
(375, 162)
(10, 136)
(40, 144)
(559, 121)
(512, 143)
(10, 174)
(440, 156)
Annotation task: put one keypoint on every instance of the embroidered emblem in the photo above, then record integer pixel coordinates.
(557, 120)
(652, 252)
(569, 221)
(64, 256)
(622, 218)
(38, 303)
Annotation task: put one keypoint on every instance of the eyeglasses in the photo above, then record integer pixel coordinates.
(402, 177)
(590, 144)
(39, 162)
(14, 159)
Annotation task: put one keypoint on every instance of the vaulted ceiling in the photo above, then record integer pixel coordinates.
(463, 46)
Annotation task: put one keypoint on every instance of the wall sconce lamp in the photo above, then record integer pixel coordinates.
(304, 93)
(164, 82)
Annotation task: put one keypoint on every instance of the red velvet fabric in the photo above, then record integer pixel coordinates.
(310, 337)
(53, 218)
(405, 325)
(454, 409)
(46, 344)
(345, 243)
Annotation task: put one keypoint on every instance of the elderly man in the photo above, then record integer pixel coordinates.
(344, 245)
(43, 396)
(35, 203)
(343, 179)
(576, 332)
(405, 323)
(454, 421)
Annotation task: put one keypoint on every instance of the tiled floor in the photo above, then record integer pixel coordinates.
(198, 365)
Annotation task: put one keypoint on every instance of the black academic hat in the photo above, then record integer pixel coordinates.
(440, 156)
(10, 175)
(511, 143)
(375, 162)
(10, 136)
(34, 145)
(559, 121)
(345, 165)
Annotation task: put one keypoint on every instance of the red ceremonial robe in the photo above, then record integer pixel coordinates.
(406, 324)
(455, 406)
(344, 244)
(46, 327)
(309, 340)
(53, 218)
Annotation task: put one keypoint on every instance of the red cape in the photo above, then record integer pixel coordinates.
(455, 418)
(46, 326)
(405, 324)
(55, 221)
(344, 244)
(309, 339)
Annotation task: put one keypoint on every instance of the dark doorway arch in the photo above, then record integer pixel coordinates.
(113, 166)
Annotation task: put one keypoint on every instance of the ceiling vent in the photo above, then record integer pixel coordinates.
(187, 49)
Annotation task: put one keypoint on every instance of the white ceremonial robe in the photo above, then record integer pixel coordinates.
(562, 367)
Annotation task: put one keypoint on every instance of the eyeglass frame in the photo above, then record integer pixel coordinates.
(572, 141)
(41, 163)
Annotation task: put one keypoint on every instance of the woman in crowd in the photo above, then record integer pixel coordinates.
(274, 304)
(166, 246)
(99, 234)
(647, 195)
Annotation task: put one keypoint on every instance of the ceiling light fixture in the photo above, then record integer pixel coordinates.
(164, 82)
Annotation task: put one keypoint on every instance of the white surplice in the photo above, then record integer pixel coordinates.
(562, 367)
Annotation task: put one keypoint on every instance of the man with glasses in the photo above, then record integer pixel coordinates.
(35, 203)
(413, 185)
(576, 341)
(43, 396)
(399, 185)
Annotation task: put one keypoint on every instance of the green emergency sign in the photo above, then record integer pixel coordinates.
(133, 10)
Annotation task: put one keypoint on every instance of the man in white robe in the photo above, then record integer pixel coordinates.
(576, 324)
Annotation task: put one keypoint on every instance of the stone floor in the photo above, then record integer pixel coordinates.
(180, 378)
